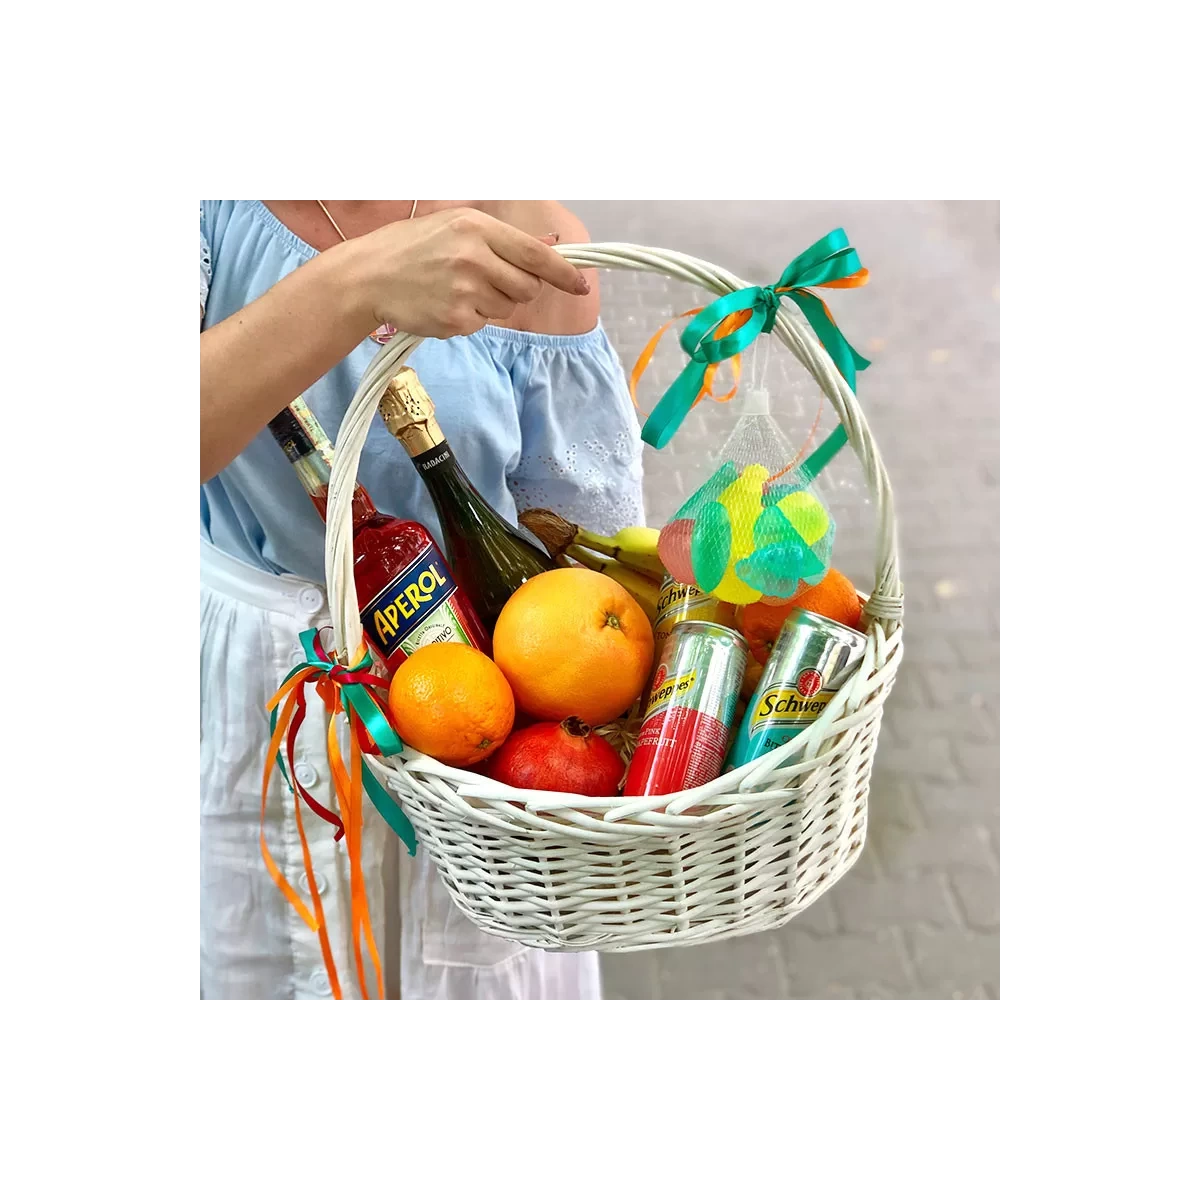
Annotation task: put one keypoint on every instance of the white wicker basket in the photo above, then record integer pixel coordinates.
(572, 873)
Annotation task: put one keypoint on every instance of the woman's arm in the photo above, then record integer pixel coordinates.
(257, 361)
(438, 276)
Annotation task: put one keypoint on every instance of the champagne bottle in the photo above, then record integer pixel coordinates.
(489, 558)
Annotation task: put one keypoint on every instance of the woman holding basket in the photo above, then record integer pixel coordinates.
(296, 298)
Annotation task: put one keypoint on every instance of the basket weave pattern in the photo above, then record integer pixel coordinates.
(741, 854)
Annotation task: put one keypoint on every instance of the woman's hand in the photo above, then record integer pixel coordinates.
(452, 272)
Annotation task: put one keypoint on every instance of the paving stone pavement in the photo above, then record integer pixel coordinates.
(919, 914)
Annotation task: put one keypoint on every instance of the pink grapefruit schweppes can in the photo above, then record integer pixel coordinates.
(689, 710)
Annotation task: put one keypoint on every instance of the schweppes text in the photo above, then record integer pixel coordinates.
(679, 686)
(786, 706)
(673, 594)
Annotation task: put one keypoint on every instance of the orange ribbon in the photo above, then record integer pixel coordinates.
(349, 791)
(348, 786)
(292, 690)
(728, 325)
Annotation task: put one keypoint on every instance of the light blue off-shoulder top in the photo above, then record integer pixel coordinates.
(535, 420)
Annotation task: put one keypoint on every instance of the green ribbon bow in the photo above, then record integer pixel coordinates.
(356, 695)
(832, 258)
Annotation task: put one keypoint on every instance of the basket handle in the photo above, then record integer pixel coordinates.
(886, 600)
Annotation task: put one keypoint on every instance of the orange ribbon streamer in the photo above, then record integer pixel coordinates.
(349, 791)
(727, 325)
(348, 786)
(316, 923)
(808, 441)
(857, 279)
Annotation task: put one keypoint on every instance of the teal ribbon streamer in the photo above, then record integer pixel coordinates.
(356, 696)
(830, 258)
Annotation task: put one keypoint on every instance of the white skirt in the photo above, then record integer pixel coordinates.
(253, 945)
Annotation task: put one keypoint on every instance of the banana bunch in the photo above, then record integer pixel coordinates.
(630, 558)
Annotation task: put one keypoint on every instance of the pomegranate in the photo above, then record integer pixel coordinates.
(554, 756)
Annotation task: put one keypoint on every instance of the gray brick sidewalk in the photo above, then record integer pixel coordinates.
(919, 915)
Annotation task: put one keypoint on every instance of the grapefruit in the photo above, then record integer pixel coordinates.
(573, 644)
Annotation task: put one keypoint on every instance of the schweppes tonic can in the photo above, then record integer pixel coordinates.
(813, 657)
(686, 602)
(689, 710)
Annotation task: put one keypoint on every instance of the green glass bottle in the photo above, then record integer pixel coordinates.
(489, 557)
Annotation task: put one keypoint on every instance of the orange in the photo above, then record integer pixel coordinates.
(834, 597)
(451, 702)
(574, 644)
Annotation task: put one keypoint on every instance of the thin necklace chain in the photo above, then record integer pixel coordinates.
(337, 227)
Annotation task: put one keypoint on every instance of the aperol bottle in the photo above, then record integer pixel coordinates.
(488, 556)
(408, 595)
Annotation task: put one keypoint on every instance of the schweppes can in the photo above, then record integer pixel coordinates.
(813, 657)
(686, 602)
(682, 602)
(689, 710)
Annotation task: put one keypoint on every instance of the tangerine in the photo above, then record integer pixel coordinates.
(450, 701)
(834, 597)
(574, 644)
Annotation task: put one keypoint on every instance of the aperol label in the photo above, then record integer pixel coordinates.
(416, 609)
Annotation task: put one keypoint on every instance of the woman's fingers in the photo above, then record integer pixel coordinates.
(519, 286)
(533, 256)
(493, 304)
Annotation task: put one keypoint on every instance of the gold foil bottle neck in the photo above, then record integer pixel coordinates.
(407, 411)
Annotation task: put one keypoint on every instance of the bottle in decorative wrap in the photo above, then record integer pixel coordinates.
(488, 556)
(408, 595)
